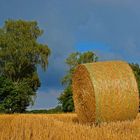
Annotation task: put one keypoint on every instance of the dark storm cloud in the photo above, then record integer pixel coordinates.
(115, 23)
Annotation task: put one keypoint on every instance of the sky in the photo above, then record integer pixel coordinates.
(110, 28)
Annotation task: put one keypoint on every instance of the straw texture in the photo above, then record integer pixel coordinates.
(105, 91)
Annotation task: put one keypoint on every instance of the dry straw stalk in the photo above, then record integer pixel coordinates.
(105, 91)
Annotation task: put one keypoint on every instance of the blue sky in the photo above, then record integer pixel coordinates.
(109, 28)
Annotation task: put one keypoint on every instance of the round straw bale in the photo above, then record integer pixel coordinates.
(105, 91)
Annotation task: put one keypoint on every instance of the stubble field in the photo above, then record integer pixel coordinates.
(64, 127)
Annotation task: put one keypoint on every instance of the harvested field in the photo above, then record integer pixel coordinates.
(64, 127)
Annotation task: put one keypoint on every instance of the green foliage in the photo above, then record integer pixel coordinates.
(6, 86)
(14, 97)
(136, 70)
(72, 61)
(66, 100)
(20, 54)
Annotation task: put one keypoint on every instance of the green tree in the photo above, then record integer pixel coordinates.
(136, 69)
(65, 99)
(21, 54)
(14, 97)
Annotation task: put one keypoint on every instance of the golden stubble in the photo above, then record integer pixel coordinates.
(64, 127)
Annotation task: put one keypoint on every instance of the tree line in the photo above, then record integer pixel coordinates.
(72, 61)
(20, 55)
